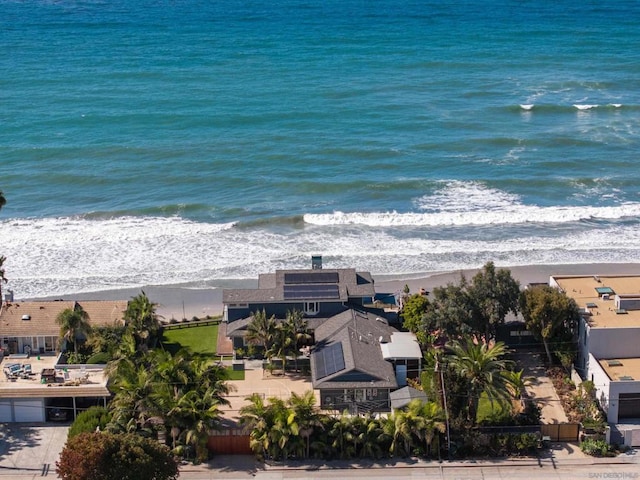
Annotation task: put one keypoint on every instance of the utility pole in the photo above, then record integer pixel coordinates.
(444, 404)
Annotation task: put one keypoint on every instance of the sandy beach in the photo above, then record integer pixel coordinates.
(184, 302)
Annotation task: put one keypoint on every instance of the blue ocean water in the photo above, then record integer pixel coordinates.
(172, 142)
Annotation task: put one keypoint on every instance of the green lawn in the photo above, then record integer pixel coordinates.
(200, 340)
(235, 374)
(488, 411)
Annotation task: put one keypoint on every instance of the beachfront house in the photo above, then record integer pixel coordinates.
(359, 360)
(319, 293)
(608, 339)
(36, 382)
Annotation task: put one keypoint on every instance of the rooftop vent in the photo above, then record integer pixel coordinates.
(625, 378)
(26, 317)
(621, 311)
(614, 363)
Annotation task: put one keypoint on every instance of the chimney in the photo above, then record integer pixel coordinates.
(316, 262)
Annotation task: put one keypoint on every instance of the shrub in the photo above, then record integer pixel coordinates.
(99, 358)
(105, 456)
(89, 421)
(596, 448)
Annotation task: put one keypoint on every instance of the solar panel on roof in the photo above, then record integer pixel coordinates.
(305, 278)
(311, 292)
(328, 361)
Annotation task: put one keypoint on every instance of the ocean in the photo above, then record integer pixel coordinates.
(196, 143)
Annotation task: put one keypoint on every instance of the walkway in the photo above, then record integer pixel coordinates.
(541, 388)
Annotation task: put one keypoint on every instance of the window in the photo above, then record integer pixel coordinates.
(311, 308)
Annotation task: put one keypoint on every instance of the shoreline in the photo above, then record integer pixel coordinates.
(178, 301)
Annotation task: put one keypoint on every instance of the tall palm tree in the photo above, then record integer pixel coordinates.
(198, 414)
(73, 322)
(481, 366)
(431, 420)
(2, 276)
(133, 389)
(303, 408)
(260, 329)
(300, 335)
(255, 417)
(142, 320)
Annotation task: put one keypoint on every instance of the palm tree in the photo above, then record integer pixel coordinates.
(261, 329)
(431, 419)
(297, 325)
(2, 276)
(372, 438)
(282, 343)
(142, 321)
(73, 322)
(306, 415)
(133, 388)
(481, 367)
(254, 417)
(198, 414)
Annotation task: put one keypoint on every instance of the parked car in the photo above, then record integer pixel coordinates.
(57, 415)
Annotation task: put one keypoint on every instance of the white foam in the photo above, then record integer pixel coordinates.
(527, 106)
(472, 204)
(584, 106)
(50, 257)
(616, 105)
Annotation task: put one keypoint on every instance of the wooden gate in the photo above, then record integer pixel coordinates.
(232, 441)
(561, 432)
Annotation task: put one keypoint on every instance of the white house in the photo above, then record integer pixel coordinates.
(608, 338)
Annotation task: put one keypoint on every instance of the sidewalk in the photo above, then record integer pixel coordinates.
(244, 466)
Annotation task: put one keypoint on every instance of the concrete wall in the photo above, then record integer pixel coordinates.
(614, 342)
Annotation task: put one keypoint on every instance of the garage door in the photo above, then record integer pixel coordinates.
(28, 411)
(628, 405)
(5, 411)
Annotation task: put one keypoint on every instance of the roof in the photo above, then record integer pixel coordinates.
(401, 345)
(86, 381)
(238, 328)
(349, 343)
(304, 285)
(601, 311)
(621, 369)
(21, 319)
(402, 397)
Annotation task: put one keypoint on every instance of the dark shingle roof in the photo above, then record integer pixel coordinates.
(271, 287)
(359, 333)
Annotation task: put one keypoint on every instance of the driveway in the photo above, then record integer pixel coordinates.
(30, 450)
(541, 389)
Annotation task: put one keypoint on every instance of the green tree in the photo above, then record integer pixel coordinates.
(73, 322)
(481, 367)
(494, 294)
(261, 329)
(105, 456)
(448, 315)
(413, 309)
(142, 320)
(550, 315)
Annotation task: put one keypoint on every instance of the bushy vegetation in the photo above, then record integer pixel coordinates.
(91, 420)
(105, 456)
(596, 448)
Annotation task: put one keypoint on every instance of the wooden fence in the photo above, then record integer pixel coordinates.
(561, 432)
(191, 323)
(232, 441)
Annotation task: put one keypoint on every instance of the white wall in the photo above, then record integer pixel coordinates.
(602, 383)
